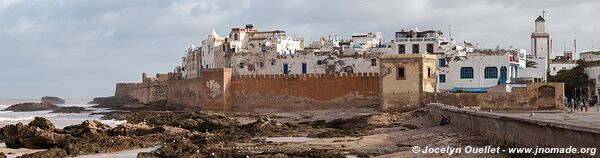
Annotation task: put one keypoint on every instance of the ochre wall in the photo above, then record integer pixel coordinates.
(403, 94)
(303, 92)
(219, 91)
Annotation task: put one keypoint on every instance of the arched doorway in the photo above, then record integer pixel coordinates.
(546, 95)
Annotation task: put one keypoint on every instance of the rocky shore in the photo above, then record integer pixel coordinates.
(131, 104)
(333, 133)
(31, 107)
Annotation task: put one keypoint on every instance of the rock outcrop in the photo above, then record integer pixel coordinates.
(52, 100)
(71, 109)
(89, 137)
(31, 107)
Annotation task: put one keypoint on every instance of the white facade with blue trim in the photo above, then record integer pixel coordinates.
(479, 70)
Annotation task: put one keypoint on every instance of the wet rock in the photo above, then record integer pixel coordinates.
(2, 155)
(87, 127)
(128, 129)
(72, 109)
(31, 107)
(54, 153)
(32, 137)
(264, 126)
(52, 100)
(197, 121)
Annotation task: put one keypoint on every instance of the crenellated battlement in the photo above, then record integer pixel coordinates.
(283, 76)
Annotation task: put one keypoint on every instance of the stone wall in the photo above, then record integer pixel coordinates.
(218, 90)
(210, 91)
(536, 96)
(304, 92)
(517, 131)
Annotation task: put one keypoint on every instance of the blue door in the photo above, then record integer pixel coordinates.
(285, 69)
(303, 68)
(503, 75)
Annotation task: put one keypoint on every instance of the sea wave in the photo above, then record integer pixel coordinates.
(24, 117)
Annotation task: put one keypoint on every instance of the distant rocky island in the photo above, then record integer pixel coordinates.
(52, 100)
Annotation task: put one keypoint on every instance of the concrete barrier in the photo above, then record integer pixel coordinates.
(517, 131)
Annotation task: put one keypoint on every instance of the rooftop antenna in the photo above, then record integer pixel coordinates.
(450, 31)
(575, 46)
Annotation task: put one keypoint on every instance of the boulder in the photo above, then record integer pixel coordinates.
(31, 107)
(42, 123)
(52, 100)
(90, 127)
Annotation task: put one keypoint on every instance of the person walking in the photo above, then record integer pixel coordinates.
(573, 105)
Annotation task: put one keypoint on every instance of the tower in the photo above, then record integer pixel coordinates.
(540, 44)
(540, 39)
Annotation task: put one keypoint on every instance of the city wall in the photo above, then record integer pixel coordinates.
(304, 92)
(536, 96)
(219, 90)
(209, 92)
(515, 131)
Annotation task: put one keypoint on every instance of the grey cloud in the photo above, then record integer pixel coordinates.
(81, 48)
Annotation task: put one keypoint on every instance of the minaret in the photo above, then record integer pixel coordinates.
(540, 39)
(540, 43)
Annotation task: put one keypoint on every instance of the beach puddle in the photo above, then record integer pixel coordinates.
(289, 139)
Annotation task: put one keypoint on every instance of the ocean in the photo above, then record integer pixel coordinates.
(60, 120)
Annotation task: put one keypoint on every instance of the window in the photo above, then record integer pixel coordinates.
(442, 62)
(415, 48)
(442, 78)
(400, 73)
(261, 64)
(466, 73)
(553, 68)
(319, 62)
(373, 62)
(430, 48)
(429, 72)
(241, 65)
(401, 49)
(490, 72)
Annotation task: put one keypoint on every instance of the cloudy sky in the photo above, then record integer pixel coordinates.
(81, 48)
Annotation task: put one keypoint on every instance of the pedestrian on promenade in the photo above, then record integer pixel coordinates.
(572, 104)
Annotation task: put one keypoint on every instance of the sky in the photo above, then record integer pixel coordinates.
(81, 48)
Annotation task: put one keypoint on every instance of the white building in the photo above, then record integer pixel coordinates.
(561, 63)
(213, 51)
(366, 40)
(415, 42)
(590, 56)
(478, 70)
(191, 62)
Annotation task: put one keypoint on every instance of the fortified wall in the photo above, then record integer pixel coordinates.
(535, 96)
(219, 90)
(304, 92)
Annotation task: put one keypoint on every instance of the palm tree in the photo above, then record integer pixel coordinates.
(531, 64)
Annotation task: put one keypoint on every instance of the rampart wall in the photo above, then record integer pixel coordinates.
(218, 90)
